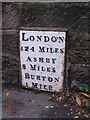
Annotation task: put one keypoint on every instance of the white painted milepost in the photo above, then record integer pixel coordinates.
(42, 58)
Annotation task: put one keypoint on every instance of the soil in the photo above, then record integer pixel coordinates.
(69, 101)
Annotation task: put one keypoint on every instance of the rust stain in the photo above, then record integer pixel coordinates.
(20, 60)
(56, 38)
(63, 64)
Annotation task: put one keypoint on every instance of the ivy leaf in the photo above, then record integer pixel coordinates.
(88, 104)
(81, 88)
(84, 87)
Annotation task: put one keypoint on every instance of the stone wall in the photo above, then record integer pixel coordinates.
(73, 16)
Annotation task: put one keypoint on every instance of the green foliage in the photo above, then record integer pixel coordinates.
(67, 92)
(85, 88)
(88, 104)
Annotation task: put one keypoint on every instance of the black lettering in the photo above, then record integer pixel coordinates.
(34, 85)
(21, 48)
(61, 39)
(32, 38)
(23, 39)
(26, 48)
(41, 60)
(32, 48)
(48, 69)
(40, 86)
(27, 76)
(38, 77)
(39, 38)
(45, 87)
(56, 79)
(47, 50)
(53, 39)
(35, 59)
(56, 50)
(50, 87)
(46, 38)
(38, 68)
(43, 78)
(50, 79)
(47, 60)
(29, 59)
(43, 69)
(51, 50)
(33, 67)
(53, 70)
(53, 60)
(41, 49)
(26, 84)
(32, 77)
(24, 66)
(61, 51)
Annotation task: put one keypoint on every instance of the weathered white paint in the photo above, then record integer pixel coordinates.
(56, 65)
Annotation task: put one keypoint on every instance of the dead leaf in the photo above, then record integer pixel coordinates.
(33, 101)
(6, 94)
(60, 98)
(71, 113)
(65, 105)
(79, 113)
(78, 101)
(86, 115)
(76, 117)
(68, 114)
(70, 109)
(47, 106)
(85, 94)
(51, 106)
